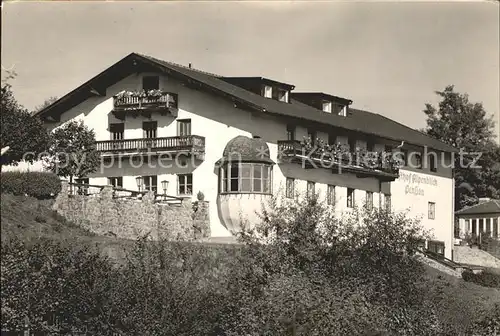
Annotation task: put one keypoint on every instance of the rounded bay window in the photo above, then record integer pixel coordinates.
(246, 177)
(245, 181)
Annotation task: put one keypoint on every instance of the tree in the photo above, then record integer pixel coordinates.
(46, 103)
(23, 133)
(73, 151)
(465, 125)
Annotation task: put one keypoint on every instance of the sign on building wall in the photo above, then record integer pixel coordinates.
(415, 183)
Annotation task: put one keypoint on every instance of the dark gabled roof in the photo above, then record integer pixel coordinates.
(357, 120)
(491, 206)
(321, 95)
(265, 80)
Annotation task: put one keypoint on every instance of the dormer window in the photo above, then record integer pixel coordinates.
(327, 106)
(280, 95)
(268, 91)
(343, 111)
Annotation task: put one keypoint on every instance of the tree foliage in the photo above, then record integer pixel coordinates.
(466, 125)
(73, 151)
(46, 103)
(20, 130)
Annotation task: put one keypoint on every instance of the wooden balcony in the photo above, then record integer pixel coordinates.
(191, 144)
(140, 103)
(319, 157)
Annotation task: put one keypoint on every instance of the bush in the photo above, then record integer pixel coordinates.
(41, 185)
(487, 278)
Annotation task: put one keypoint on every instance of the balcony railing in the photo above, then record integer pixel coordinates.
(143, 99)
(337, 156)
(189, 143)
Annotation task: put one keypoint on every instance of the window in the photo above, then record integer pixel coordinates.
(312, 135)
(474, 227)
(117, 131)
(481, 225)
(327, 106)
(310, 189)
(290, 187)
(467, 225)
(268, 91)
(290, 132)
(432, 210)
(281, 95)
(149, 129)
(370, 146)
(350, 198)
(369, 200)
(330, 195)
(432, 162)
(436, 247)
(184, 127)
(246, 178)
(418, 160)
(388, 205)
(343, 111)
(116, 182)
(405, 157)
(150, 83)
(352, 145)
(388, 149)
(185, 184)
(332, 139)
(150, 183)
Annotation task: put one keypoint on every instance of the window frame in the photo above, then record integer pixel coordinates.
(387, 202)
(369, 200)
(150, 126)
(328, 104)
(431, 210)
(350, 197)
(185, 184)
(311, 189)
(184, 127)
(117, 134)
(267, 91)
(153, 183)
(228, 179)
(290, 132)
(432, 162)
(290, 187)
(330, 194)
(113, 181)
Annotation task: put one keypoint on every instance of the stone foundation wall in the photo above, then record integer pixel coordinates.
(134, 218)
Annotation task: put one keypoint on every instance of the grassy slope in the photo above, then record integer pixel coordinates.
(30, 218)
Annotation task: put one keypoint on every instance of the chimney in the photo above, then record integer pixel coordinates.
(189, 65)
(484, 199)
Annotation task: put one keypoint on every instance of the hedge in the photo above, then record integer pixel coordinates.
(487, 278)
(41, 185)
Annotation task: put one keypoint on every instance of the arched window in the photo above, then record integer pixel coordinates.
(246, 178)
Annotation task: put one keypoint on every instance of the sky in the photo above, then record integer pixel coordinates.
(388, 57)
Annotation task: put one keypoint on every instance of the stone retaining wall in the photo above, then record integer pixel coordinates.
(134, 218)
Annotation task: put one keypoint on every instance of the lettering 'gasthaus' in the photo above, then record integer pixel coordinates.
(145, 106)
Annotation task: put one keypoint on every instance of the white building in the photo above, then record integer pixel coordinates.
(204, 118)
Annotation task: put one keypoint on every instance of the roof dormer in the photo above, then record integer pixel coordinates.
(265, 87)
(324, 102)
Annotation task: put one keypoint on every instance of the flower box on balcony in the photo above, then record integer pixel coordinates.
(144, 102)
(338, 157)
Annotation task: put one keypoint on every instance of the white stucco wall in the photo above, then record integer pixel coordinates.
(219, 121)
